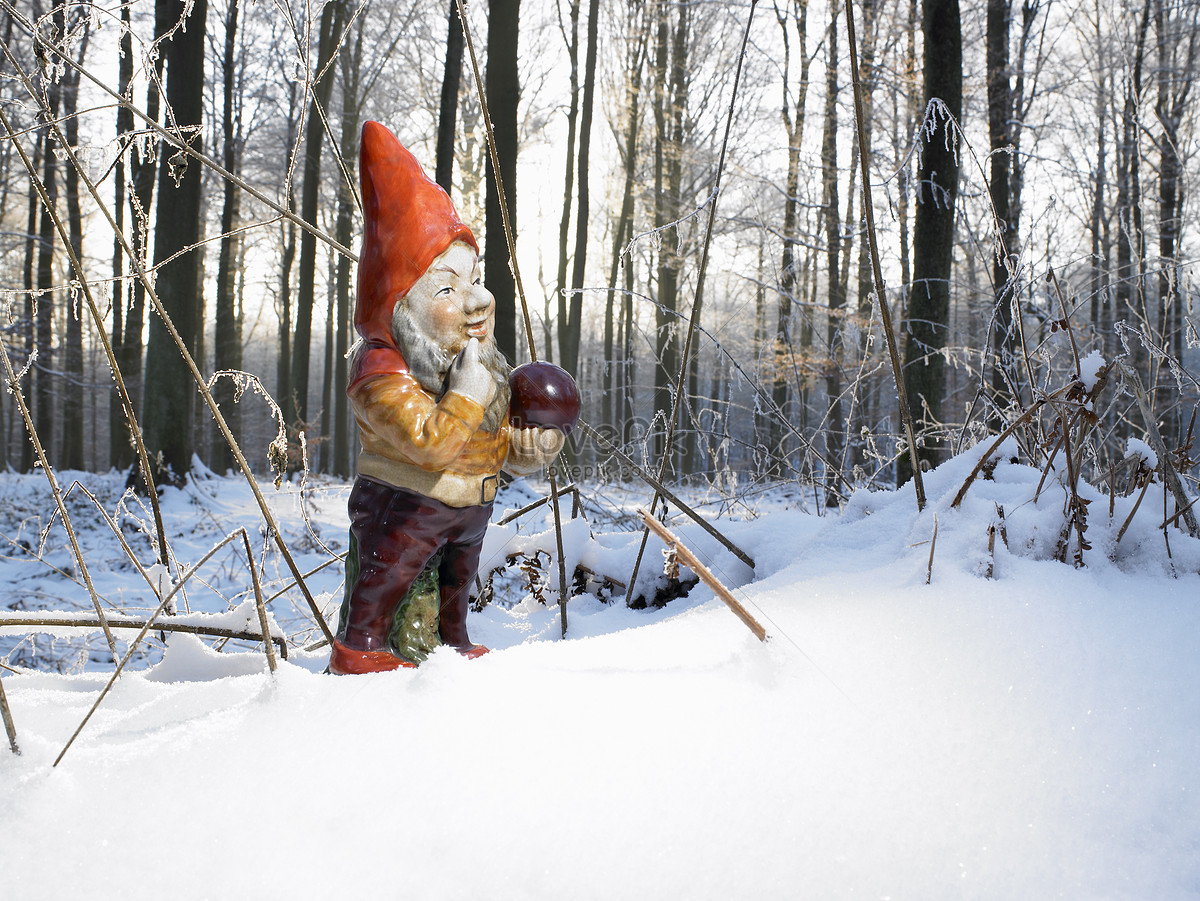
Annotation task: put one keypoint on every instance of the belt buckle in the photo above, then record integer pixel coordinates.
(487, 489)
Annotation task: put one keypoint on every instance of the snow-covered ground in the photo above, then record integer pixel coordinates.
(1033, 735)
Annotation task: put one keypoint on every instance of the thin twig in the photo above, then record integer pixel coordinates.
(68, 621)
(563, 587)
(141, 635)
(1062, 302)
(932, 545)
(529, 508)
(258, 602)
(1136, 504)
(1174, 518)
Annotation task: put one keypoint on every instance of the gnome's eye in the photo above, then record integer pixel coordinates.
(477, 281)
(446, 290)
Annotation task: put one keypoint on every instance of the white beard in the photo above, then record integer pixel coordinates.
(429, 363)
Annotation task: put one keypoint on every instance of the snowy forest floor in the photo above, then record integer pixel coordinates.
(1031, 735)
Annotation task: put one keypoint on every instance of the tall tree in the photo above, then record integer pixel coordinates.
(1131, 236)
(29, 284)
(45, 417)
(227, 352)
(352, 97)
(570, 353)
(74, 396)
(1005, 383)
(502, 85)
(120, 451)
(615, 379)
(795, 98)
(143, 173)
(1098, 226)
(448, 110)
(332, 19)
(835, 283)
(866, 400)
(571, 34)
(169, 394)
(671, 81)
(287, 257)
(1176, 30)
(933, 228)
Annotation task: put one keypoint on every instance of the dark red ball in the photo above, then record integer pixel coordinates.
(544, 396)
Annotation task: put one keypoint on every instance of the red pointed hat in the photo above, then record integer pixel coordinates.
(408, 221)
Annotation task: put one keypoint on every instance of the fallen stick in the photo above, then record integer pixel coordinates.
(116, 622)
(702, 571)
(8, 721)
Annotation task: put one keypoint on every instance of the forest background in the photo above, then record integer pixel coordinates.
(1029, 168)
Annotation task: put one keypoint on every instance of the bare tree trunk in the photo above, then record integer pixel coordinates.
(75, 392)
(283, 373)
(296, 404)
(866, 392)
(836, 296)
(1100, 306)
(169, 395)
(143, 171)
(351, 108)
(628, 359)
(228, 344)
(760, 452)
(570, 355)
(447, 113)
(783, 358)
(503, 88)
(324, 457)
(565, 339)
(612, 383)
(45, 417)
(28, 283)
(933, 229)
(1130, 294)
(1005, 378)
(1177, 43)
(120, 450)
(670, 111)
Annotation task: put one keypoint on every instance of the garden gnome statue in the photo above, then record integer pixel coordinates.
(430, 393)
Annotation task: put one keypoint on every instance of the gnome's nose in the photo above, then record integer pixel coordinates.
(479, 301)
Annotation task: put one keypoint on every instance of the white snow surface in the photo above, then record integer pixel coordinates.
(1030, 736)
(1089, 370)
(1136, 447)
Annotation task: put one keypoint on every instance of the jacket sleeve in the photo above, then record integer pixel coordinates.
(404, 416)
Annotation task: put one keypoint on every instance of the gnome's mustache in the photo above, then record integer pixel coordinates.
(429, 363)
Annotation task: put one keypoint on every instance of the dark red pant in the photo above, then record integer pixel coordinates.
(398, 531)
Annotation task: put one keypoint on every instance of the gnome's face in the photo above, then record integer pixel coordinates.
(445, 308)
(448, 305)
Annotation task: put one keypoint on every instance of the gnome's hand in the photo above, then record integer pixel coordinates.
(537, 445)
(469, 377)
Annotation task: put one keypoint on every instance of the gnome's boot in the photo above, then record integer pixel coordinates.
(452, 622)
(346, 661)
